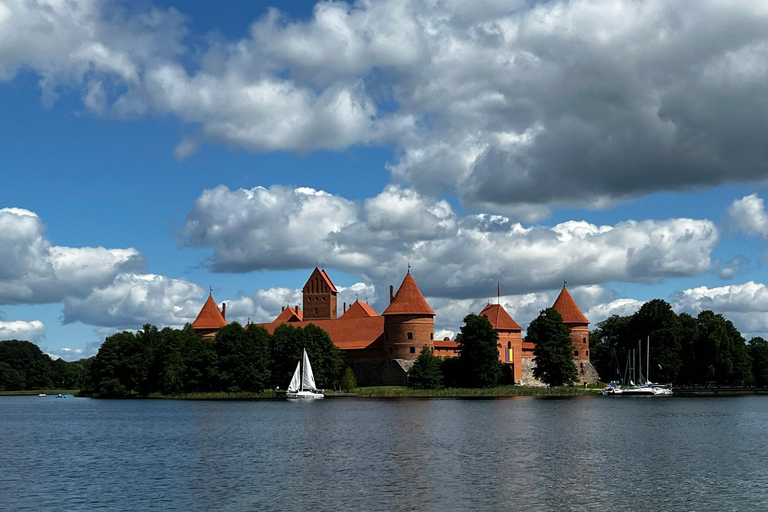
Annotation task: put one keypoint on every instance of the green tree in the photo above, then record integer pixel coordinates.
(479, 352)
(426, 372)
(657, 320)
(35, 369)
(606, 342)
(243, 357)
(758, 351)
(553, 349)
(286, 347)
(348, 381)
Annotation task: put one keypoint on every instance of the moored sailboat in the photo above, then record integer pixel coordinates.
(302, 384)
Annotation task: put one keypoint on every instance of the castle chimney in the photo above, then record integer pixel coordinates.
(345, 307)
(224, 310)
(391, 293)
(282, 308)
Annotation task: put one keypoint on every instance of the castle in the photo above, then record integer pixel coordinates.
(381, 349)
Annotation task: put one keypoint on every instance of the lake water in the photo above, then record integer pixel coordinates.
(351, 454)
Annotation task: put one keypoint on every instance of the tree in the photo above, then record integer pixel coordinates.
(426, 372)
(758, 351)
(605, 343)
(657, 320)
(286, 347)
(348, 381)
(243, 357)
(553, 349)
(479, 352)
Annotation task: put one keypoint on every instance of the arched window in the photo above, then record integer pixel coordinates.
(509, 344)
(315, 311)
(587, 353)
(584, 339)
(576, 353)
(431, 335)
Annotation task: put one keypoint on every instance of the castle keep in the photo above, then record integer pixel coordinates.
(381, 349)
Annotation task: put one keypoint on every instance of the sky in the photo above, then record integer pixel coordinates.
(151, 152)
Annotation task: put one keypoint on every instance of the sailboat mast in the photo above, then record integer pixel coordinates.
(301, 374)
(648, 360)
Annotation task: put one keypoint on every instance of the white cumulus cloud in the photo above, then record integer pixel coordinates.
(22, 330)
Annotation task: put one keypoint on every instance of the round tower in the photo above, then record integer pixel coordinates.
(409, 322)
(579, 326)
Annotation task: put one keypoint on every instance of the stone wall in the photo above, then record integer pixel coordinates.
(586, 371)
(380, 372)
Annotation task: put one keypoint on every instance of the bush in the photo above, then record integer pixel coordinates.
(426, 372)
(348, 381)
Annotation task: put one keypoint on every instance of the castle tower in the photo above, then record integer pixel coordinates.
(210, 319)
(409, 322)
(510, 338)
(319, 297)
(579, 325)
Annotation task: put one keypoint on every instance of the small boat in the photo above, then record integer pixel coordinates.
(61, 396)
(302, 384)
(42, 395)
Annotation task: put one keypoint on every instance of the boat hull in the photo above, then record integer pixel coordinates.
(303, 395)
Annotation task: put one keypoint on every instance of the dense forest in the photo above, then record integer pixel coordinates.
(23, 366)
(172, 361)
(705, 350)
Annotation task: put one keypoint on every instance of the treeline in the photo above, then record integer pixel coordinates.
(23, 366)
(171, 361)
(703, 350)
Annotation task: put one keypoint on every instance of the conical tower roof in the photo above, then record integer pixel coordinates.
(210, 317)
(568, 309)
(408, 300)
(499, 318)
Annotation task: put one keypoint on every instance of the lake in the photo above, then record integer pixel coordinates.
(583, 453)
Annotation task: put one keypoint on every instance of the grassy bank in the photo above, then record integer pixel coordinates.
(500, 391)
(49, 392)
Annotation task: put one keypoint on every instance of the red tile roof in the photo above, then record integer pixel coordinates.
(499, 318)
(446, 344)
(290, 314)
(566, 306)
(346, 333)
(408, 300)
(327, 280)
(359, 310)
(210, 317)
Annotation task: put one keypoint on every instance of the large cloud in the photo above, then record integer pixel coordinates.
(32, 270)
(745, 304)
(132, 300)
(22, 330)
(452, 256)
(747, 215)
(514, 106)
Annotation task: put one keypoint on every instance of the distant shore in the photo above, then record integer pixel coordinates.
(364, 392)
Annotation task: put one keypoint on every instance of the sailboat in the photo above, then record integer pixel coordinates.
(644, 389)
(302, 384)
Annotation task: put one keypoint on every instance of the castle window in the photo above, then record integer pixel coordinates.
(431, 335)
(315, 311)
(584, 339)
(323, 298)
(410, 336)
(587, 353)
(413, 350)
(509, 344)
(575, 352)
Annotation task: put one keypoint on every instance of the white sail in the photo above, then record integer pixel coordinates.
(307, 377)
(296, 380)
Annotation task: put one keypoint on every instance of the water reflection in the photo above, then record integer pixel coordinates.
(522, 453)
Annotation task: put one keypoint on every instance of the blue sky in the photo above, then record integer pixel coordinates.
(618, 146)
